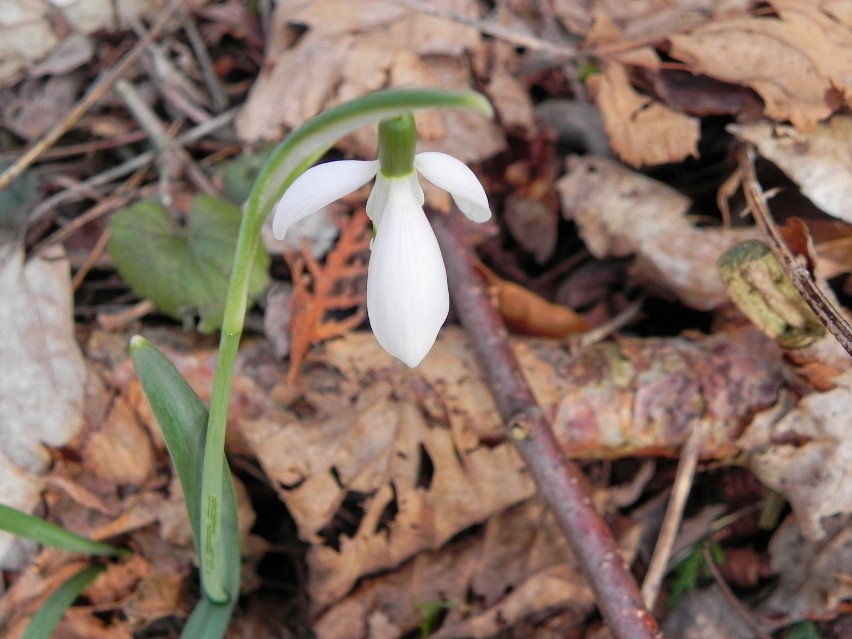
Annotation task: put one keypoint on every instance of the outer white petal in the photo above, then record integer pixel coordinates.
(450, 174)
(317, 187)
(378, 200)
(407, 295)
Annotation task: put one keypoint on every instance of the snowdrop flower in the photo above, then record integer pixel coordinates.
(407, 295)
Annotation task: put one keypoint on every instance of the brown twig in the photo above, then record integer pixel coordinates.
(88, 100)
(143, 159)
(833, 320)
(751, 620)
(173, 156)
(560, 481)
(674, 513)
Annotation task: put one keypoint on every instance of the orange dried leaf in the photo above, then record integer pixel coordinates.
(526, 313)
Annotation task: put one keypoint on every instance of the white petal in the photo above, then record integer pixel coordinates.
(450, 174)
(407, 295)
(378, 200)
(317, 187)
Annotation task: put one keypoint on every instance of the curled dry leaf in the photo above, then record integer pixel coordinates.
(819, 161)
(42, 386)
(807, 456)
(33, 30)
(526, 313)
(621, 212)
(798, 58)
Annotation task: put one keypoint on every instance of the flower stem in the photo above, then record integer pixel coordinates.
(295, 154)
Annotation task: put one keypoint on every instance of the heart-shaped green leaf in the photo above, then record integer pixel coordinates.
(183, 270)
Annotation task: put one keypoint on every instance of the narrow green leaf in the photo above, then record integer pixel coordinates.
(183, 420)
(44, 532)
(49, 615)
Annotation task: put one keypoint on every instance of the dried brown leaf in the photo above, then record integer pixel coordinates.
(641, 130)
(798, 59)
(621, 212)
(42, 385)
(517, 566)
(807, 456)
(353, 47)
(819, 161)
(526, 313)
(815, 576)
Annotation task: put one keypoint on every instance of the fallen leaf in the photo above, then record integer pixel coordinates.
(819, 161)
(384, 461)
(814, 576)
(705, 614)
(36, 105)
(42, 387)
(642, 131)
(32, 30)
(797, 58)
(807, 456)
(352, 48)
(620, 212)
(518, 565)
(526, 313)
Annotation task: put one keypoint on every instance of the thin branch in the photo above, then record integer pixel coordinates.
(674, 513)
(196, 133)
(833, 320)
(202, 56)
(173, 156)
(89, 100)
(560, 481)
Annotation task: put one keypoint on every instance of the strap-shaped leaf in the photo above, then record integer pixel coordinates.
(48, 616)
(183, 421)
(44, 532)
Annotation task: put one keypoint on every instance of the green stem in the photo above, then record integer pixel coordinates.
(295, 154)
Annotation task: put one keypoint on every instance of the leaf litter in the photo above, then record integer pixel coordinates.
(401, 483)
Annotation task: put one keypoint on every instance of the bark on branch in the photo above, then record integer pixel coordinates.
(560, 481)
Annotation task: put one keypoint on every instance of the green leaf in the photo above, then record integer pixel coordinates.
(25, 525)
(239, 175)
(692, 571)
(184, 271)
(802, 630)
(183, 420)
(50, 613)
